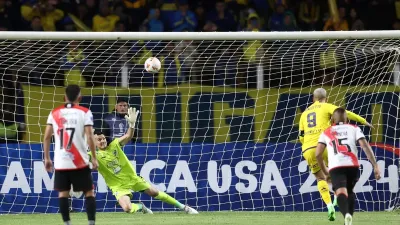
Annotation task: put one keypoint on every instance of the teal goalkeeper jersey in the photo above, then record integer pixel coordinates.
(115, 167)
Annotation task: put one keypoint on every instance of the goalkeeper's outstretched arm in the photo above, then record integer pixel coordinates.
(131, 118)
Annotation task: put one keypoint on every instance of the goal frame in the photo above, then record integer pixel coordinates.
(308, 35)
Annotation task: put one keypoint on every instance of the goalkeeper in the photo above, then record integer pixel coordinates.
(121, 177)
(313, 121)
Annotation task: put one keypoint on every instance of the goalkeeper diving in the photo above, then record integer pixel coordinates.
(313, 121)
(121, 177)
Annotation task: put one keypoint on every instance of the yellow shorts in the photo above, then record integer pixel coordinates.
(138, 185)
(309, 156)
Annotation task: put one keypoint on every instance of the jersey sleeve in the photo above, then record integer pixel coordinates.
(359, 134)
(330, 108)
(355, 117)
(114, 144)
(50, 119)
(322, 139)
(88, 118)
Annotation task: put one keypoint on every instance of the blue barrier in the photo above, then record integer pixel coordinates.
(231, 176)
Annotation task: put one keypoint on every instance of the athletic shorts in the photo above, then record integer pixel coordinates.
(344, 177)
(80, 179)
(138, 185)
(309, 156)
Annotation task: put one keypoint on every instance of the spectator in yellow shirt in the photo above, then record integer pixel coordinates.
(105, 21)
(309, 15)
(47, 12)
(342, 24)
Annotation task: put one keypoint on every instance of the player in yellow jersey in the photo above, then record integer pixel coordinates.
(121, 177)
(313, 121)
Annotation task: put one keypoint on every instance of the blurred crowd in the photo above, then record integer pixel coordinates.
(197, 15)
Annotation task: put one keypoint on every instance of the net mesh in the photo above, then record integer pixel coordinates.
(219, 123)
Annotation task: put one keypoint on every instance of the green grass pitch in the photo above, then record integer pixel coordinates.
(242, 218)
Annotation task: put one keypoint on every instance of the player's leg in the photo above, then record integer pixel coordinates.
(164, 197)
(322, 184)
(352, 179)
(124, 197)
(82, 181)
(143, 186)
(339, 182)
(328, 179)
(62, 184)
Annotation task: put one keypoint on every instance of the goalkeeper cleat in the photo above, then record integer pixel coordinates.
(146, 210)
(331, 213)
(190, 210)
(348, 219)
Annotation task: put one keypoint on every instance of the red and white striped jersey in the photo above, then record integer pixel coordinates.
(70, 150)
(341, 141)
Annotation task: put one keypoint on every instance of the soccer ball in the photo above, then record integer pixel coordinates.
(152, 65)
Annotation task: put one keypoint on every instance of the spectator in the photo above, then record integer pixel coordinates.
(222, 17)
(355, 21)
(84, 16)
(309, 12)
(115, 125)
(73, 63)
(47, 12)
(12, 116)
(105, 21)
(289, 22)
(342, 24)
(253, 22)
(119, 10)
(184, 19)
(120, 27)
(200, 15)
(36, 24)
(153, 22)
(10, 15)
(282, 20)
(168, 9)
(276, 19)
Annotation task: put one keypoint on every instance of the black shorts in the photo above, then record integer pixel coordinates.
(81, 180)
(345, 177)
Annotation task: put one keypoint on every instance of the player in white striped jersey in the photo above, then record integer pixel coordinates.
(69, 124)
(340, 140)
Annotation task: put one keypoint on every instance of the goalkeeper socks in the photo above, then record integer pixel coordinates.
(135, 207)
(323, 189)
(64, 210)
(91, 209)
(343, 204)
(170, 200)
(351, 202)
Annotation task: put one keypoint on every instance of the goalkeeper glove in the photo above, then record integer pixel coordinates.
(132, 117)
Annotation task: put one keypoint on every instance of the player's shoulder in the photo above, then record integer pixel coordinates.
(114, 143)
(81, 108)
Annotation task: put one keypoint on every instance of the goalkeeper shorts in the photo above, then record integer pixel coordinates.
(138, 185)
(309, 156)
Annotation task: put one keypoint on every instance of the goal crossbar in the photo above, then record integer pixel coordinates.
(311, 35)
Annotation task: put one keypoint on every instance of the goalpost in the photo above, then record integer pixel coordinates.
(218, 125)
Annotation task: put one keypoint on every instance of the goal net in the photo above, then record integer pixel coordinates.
(218, 126)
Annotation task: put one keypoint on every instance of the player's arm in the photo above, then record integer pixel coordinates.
(368, 151)
(131, 118)
(319, 154)
(350, 115)
(301, 129)
(46, 147)
(92, 146)
(88, 122)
